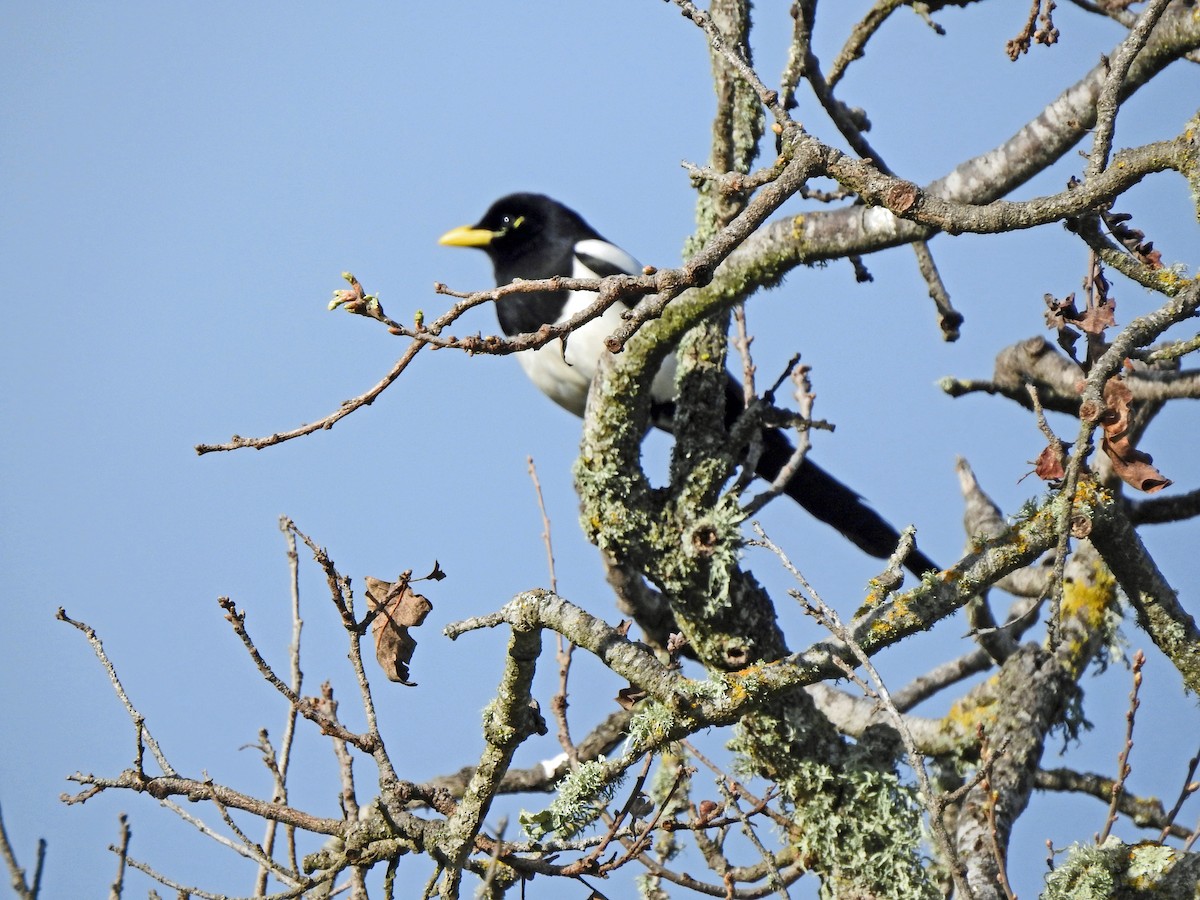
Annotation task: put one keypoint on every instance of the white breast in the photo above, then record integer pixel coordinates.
(566, 378)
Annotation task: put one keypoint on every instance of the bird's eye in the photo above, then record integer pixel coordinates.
(508, 223)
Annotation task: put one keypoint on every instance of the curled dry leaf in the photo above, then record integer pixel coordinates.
(1134, 239)
(396, 609)
(1065, 317)
(1098, 317)
(628, 697)
(707, 811)
(1132, 466)
(1051, 462)
(640, 805)
(676, 644)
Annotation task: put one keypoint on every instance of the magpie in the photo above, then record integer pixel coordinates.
(532, 237)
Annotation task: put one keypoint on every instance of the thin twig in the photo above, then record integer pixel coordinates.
(325, 422)
(564, 648)
(768, 97)
(986, 758)
(1123, 767)
(609, 291)
(185, 890)
(279, 764)
(741, 342)
(804, 400)
(541, 502)
(243, 846)
(372, 742)
(641, 842)
(16, 874)
(347, 797)
(142, 730)
(1108, 102)
(860, 34)
(760, 803)
(949, 318)
(364, 742)
(1189, 787)
(751, 835)
(122, 851)
(829, 617)
(614, 823)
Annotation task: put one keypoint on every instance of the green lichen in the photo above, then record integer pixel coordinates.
(1127, 871)
(864, 825)
(650, 725)
(858, 823)
(582, 794)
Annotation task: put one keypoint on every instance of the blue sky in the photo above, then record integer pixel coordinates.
(180, 187)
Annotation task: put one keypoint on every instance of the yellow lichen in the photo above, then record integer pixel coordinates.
(973, 710)
(1089, 601)
(797, 227)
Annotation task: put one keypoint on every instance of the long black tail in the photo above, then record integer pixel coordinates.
(827, 499)
(823, 496)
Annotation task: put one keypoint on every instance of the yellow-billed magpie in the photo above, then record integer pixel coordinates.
(532, 237)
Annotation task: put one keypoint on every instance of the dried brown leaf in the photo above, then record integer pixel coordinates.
(1098, 315)
(707, 810)
(1050, 464)
(1131, 465)
(397, 609)
(1134, 239)
(628, 697)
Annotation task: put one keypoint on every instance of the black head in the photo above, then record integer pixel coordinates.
(526, 235)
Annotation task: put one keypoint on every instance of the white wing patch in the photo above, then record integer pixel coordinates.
(566, 377)
(608, 255)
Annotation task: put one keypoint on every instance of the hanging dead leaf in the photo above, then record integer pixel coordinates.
(1098, 315)
(1134, 239)
(397, 609)
(708, 810)
(1131, 465)
(628, 697)
(1051, 463)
